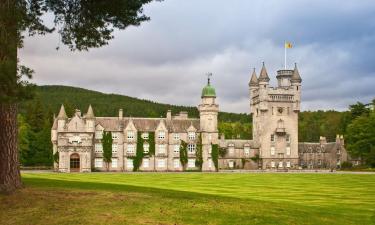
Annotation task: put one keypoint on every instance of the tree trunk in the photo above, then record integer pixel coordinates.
(10, 178)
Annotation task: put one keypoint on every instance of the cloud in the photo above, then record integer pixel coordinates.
(166, 59)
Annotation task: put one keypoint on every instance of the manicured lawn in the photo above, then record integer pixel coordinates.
(191, 198)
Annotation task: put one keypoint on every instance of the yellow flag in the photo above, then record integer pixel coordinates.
(288, 45)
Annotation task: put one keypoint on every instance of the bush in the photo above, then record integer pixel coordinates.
(346, 165)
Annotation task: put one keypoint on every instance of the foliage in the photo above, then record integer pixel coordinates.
(215, 156)
(346, 165)
(183, 154)
(256, 158)
(23, 139)
(56, 157)
(236, 130)
(222, 152)
(361, 138)
(243, 161)
(199, 154)
(107, 147)
(137, 160)
(151, 142)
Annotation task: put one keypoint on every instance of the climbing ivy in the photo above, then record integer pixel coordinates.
(56, 157)
(199, 154)
(215, 156)
(107, 147)
(183, 154)
(222, 152)
(151, 142)
(137, 159)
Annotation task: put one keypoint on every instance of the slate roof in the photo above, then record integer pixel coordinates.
(306, 147)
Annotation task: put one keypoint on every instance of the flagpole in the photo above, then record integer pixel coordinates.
(284, 55)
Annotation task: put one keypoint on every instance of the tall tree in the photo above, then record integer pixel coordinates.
(107, 147)
(82, 24)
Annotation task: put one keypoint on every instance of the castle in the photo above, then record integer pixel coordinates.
(78, 140)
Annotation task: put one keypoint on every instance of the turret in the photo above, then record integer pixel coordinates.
(90, 120)
(61, 119)
(263, 88)
(296, 81)
(208, 109)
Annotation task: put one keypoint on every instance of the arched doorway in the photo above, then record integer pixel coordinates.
(74, 162)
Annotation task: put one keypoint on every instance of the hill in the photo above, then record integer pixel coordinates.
(52, 96)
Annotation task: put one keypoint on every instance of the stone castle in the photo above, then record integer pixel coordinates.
(275, 146)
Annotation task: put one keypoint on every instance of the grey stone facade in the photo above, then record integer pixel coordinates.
(274, 110)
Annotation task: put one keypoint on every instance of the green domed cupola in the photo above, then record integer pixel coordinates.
(208, 90)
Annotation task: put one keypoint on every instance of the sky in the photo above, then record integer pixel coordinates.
(167, 58)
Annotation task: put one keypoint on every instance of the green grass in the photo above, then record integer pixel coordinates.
(191, 198)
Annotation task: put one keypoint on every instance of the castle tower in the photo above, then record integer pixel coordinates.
(90, 120)
(275, 118)
(208, 112)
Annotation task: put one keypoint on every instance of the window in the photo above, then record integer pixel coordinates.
(176, 149)
(210, 163)
(176, 136)
(145, 136)
(247, 151)
(145, 163)
(231, 164)
(272, 164)
(272, 150)
(231, 150)
(131, 149)
(338, 162)
(176, 163)
(288, 164)
(209, 137)
(98, 162)
(161, 163)
(98, 134)
(280, 164)
(114, 162)
(146, 147)
(191, 148)
(161, 149)
(129, 163)
(161, 135)
(287, 138)
(209, 149)
(130, 135)
(191, 135)
(288, 150)
(114, 148)
(191, 163)
(98, 148)
(319, 162)
(272, 137)
(114, 135)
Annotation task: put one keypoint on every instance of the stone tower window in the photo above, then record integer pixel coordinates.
(280, 110)
(272, 137)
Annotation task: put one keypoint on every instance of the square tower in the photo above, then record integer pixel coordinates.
(275, 117)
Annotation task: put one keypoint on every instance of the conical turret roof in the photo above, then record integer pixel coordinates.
(263, 74)
(296, 77)
(90, 113)
(253, 79)
(62, 113)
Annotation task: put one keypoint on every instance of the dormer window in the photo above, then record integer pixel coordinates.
(145, 136)
(114, 135)
(191, 135)
(130, 135)
(161, 135)
(176, 136)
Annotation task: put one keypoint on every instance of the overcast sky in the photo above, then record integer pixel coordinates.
(166, 59)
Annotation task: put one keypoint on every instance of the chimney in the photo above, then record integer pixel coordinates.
(342, 140)
(169, 115)
(337, 138)
(120, 114)
(322, 140)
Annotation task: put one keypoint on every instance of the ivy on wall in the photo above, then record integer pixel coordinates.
(137, 159)
(107, 147)
(199, 154)
(56, 157)
(183, 154)
(151, 142)
(215, 156)
(222, 152)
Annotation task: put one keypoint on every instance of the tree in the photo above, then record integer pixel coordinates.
(82, 24)
(107, 147)
(360, 138)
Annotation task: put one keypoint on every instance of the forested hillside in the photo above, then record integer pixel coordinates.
(35, 118)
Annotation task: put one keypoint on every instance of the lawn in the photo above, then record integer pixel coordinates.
(191, 198)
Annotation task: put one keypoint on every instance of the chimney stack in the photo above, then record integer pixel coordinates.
(169, 115)
(120, 114)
